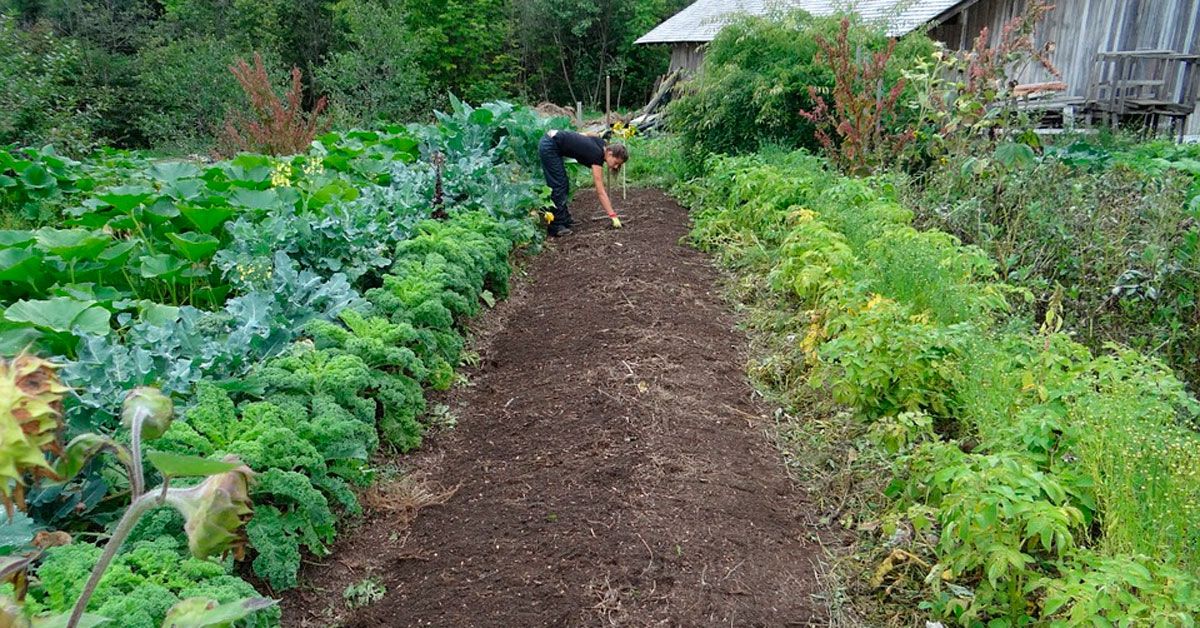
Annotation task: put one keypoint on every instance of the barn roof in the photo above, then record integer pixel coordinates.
(703, 19)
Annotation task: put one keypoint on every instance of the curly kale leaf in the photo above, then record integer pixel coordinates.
(289, 513)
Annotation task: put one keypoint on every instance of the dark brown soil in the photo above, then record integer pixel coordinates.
(612, 465)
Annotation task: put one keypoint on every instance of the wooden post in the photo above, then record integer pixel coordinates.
(579, 113)
(607, 100)
(607, 119)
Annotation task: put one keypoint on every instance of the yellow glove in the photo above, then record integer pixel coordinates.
(616, 222)
(548, 217)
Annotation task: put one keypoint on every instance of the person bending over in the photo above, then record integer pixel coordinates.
(588, 150)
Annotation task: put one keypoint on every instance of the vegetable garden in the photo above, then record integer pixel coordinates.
(295, 308)
(979, 342)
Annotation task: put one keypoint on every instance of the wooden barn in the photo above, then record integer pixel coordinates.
(1117, 57)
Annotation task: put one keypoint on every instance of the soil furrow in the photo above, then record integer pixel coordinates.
(612, 464)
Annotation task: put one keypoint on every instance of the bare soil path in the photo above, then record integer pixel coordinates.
(612, 465)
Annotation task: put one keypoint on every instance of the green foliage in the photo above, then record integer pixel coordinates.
(462, 44)
(188, 87)
(1114, 229)
(364, 592)
(889, 360)
(376, 75)
(41, 101)
(756, 80)
(286, 366)
(144, 582)
(1034, 481)
(566, 48)
(297, 515)
(654, 161)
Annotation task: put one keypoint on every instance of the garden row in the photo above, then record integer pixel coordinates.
(1031, 479)
(296, 309)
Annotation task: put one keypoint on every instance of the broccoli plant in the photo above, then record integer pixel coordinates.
(214, 510)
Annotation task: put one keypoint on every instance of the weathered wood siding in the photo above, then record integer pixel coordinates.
(687, 56)
(1081, 28)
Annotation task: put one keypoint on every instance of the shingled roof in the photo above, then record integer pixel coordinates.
(703, 19)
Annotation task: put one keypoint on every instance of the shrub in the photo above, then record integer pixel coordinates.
(756, 80)
(188, 89)
(375, 75)
(41, 101)
(271, 126)
(856, 129)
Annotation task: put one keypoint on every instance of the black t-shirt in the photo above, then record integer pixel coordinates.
(584, 149)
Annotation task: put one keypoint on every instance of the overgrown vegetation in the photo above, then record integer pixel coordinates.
(977, 328)
(1033, 480)
(760, 73)
(155, 73)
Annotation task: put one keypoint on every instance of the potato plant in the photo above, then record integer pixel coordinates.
(1033, 480)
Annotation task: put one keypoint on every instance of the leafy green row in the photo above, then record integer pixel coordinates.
(1034, 481)
(312, 366)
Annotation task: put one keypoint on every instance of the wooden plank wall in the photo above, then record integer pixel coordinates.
(687, 56)
(1081, 28)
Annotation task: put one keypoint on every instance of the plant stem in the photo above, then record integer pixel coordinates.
(137, 479)
(136, 509)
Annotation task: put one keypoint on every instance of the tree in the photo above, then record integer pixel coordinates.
(375, 74)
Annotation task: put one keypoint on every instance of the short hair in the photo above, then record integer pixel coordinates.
(619, 151)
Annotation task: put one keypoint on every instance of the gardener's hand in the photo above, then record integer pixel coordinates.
(616, 221)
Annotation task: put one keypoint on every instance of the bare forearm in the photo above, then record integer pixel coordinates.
(605, 202)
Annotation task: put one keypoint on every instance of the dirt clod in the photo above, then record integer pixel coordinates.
(612, 463)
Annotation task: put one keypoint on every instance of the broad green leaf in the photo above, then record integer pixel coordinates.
(18, 264)
(336, 190)
(183, 189)
(194, 246)
(207, 219)
(402, 144)
(37, 177)
(126, 197)
(72, 244)
(161, 265)
(15, 532)
(117, 254)
(159, 314)
(262, 200)
(60, 314)
(174, 170)
(203, 613)
(1015, 155)
(161, 210)
(15, 237)
(247, 170)
(15, 339)
(102, 295)
(179, 465)
(482, 117)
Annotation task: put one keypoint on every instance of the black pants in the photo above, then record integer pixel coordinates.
(556, 179)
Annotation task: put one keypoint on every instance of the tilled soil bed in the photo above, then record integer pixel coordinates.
(611, 463)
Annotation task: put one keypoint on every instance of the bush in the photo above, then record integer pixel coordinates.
(188, 89)
(40, 99)
(271, 125)
(375, 75)
(1111, 230)
(756, 79)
